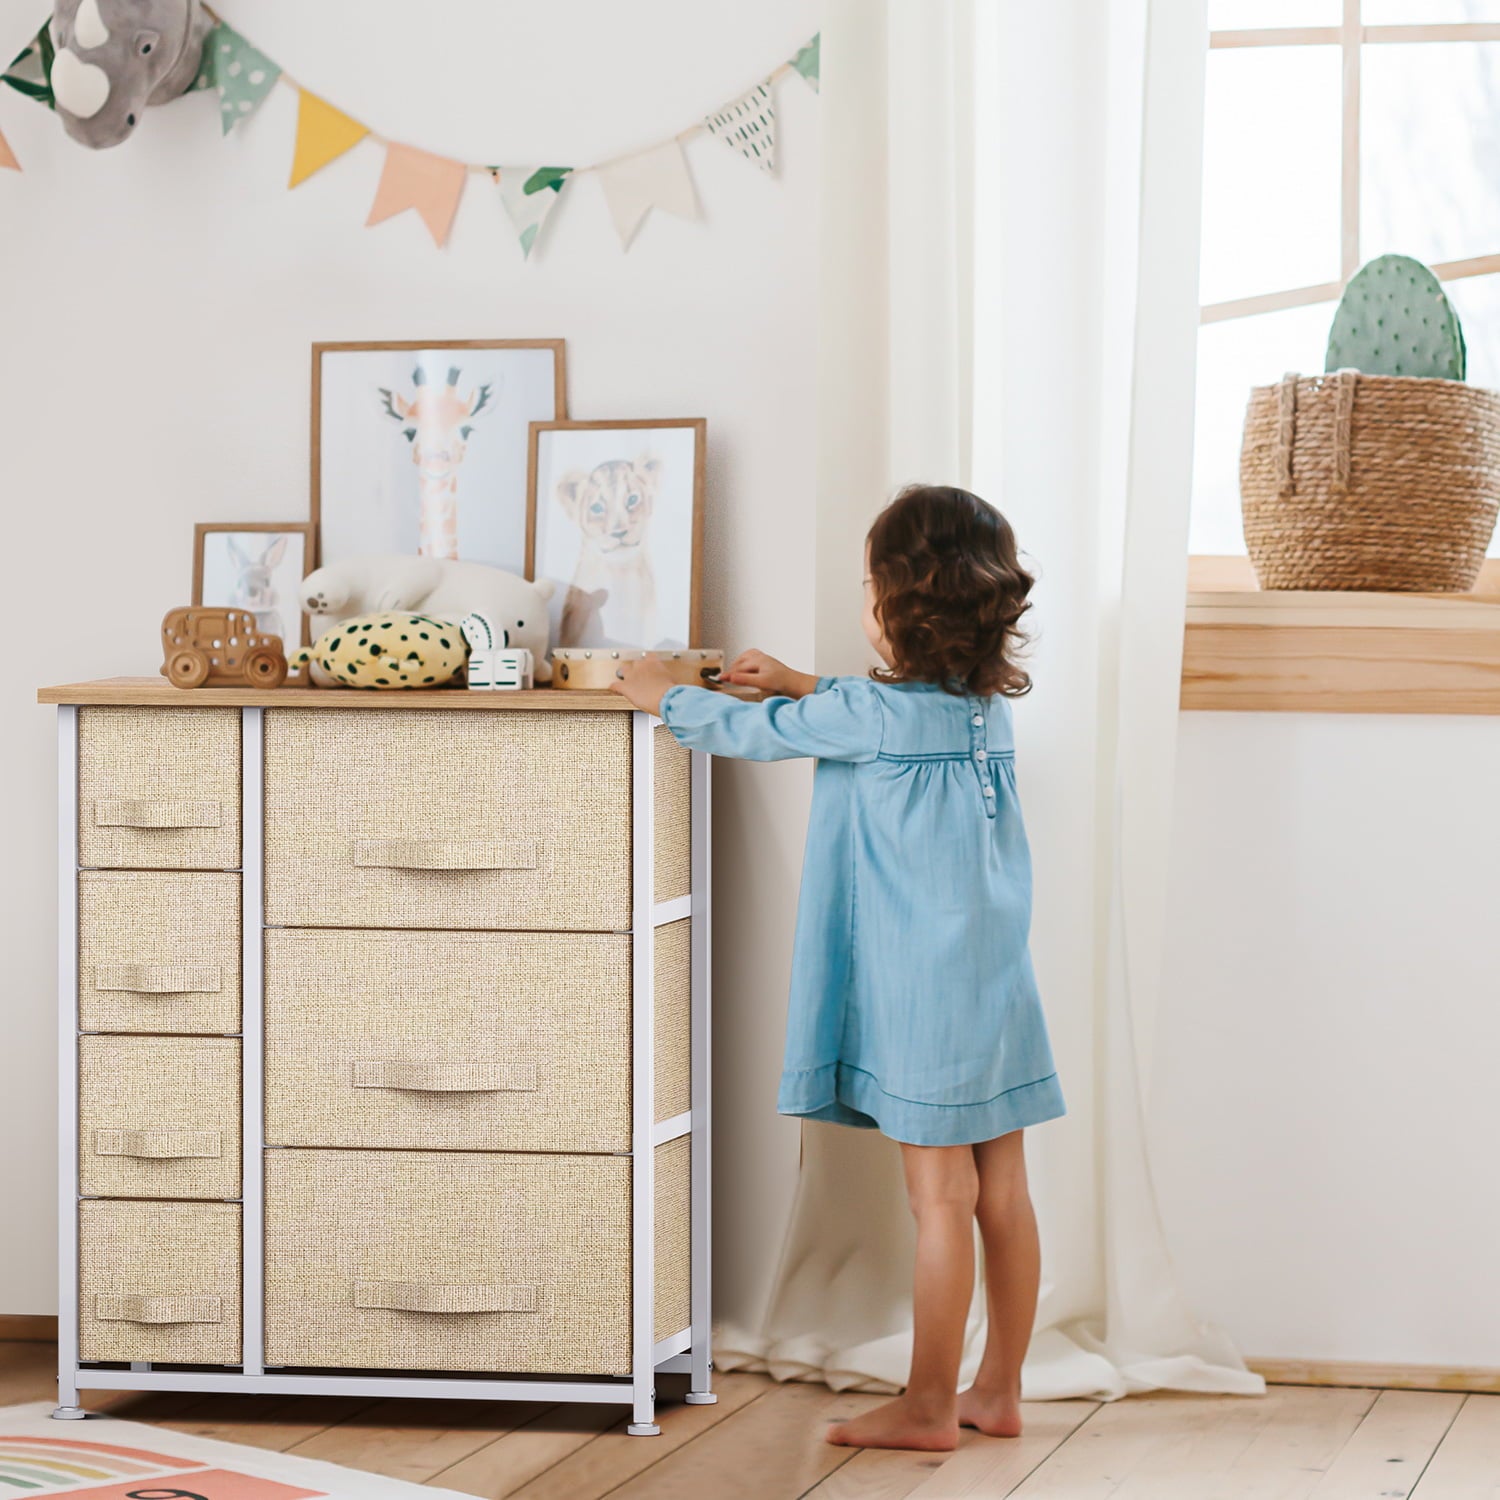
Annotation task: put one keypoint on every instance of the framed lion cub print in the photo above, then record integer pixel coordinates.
(615, 522)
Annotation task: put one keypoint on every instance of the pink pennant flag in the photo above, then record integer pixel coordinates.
(432, 185)
(7, 156)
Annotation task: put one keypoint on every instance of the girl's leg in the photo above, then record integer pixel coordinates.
(1012, 1269)
(943, 1186)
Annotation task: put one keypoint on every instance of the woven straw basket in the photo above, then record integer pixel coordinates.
(1379, 482)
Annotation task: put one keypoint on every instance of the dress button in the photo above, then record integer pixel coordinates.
(977, 719)
(981, 756)
(989, 791)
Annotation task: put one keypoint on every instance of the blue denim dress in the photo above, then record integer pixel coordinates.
(914, 1009)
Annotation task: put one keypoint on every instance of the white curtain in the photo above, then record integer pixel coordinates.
(1009, 301)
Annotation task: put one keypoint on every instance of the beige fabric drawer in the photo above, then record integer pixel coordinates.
(474, 1041)
(158, 1117)
(159, 788)
(448, 1261)
(673, 1309)
(159, 1281)
(158, 951)
(672, 994)
(422, 818)
(672, 814)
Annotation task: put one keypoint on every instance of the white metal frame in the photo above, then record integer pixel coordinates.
(687, 1351)
(1351, 36)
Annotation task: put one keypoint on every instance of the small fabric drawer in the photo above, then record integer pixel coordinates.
(448, 1261)
(444, 1040)
(672, 815)
(158, 951)
(159, 1281)
(672, 993)
(158, 1117)
(431, 819)
(159, 788)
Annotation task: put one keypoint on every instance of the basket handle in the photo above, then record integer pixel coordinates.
(445, 854)
(159, 979)
(160, 1145)
(1344, 384)
(434, 1297)
(141, 1308)
(447, 1078)
(155, 812)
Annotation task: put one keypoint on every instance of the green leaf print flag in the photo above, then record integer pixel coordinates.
(242, 74)
(31, 71)
(529, 195)
(749, 126)
(807, 61)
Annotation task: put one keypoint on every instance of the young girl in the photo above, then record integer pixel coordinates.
(913, 1007)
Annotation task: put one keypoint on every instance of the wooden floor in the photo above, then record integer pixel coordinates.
(763, 1441)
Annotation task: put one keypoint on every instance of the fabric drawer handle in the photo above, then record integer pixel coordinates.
(447, 1078)
(139, 1308)
(432, 1297)
(156, 812)
(445, 854)
(161, 1145)
(159, 979)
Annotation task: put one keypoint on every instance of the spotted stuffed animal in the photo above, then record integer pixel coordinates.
(384, 651)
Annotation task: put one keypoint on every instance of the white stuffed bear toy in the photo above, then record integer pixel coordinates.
(433, 586)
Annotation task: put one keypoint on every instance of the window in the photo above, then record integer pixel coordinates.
(1335, 131)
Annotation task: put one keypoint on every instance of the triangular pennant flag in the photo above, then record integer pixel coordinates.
(30, 72)
(529, 195)
(656, 178)
(7, 156)
(432, 185)
(748, 125)
(323, 135)
(806, 62)
(242, 74)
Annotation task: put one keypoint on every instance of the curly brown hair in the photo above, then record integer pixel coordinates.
(949, 592)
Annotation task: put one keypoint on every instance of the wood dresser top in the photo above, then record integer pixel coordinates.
(157, 692)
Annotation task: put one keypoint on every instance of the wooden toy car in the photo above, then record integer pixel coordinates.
(219, 646)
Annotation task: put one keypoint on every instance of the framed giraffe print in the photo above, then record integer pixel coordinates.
(616, 525)
(421, 446)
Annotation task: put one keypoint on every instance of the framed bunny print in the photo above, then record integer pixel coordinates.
(256, 566)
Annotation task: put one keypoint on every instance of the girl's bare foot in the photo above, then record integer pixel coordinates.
(990, 1411)
(899, 1424)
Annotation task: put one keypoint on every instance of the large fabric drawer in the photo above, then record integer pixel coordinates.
(159, 1281)
(158, 1117)
(409, 818)
(672, 815)
(448, 1260)
(158, 951)
(159, 788)
(456, 1040)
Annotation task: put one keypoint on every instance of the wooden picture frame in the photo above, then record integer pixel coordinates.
(490, 550)
(304, 529)
(699, 428)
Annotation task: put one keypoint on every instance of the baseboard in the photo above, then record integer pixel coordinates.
(28, 1327)
(1384, 1377)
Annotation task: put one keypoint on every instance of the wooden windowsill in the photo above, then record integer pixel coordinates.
(1303, 652)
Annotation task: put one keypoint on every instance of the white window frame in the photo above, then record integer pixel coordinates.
(1351, 36)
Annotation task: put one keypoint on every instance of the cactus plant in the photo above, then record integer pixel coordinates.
(1395, 320)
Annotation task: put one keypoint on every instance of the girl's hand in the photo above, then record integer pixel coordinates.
(755, 669)
(643, 683)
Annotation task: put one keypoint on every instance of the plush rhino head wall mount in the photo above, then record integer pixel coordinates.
(115, 57)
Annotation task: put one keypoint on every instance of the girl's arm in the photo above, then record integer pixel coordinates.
(841, 721)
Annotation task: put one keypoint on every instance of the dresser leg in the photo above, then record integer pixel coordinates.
(68, 1414)
(643, 1429)
(701, 1398)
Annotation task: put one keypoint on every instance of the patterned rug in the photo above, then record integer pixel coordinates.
(106, 1459)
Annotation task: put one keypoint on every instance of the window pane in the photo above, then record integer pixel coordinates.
(1253, 15)
(1427, 12)
(1270, 170)
(1232, 357)
(1430, 135)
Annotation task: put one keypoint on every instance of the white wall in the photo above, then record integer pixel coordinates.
(1325, 1105)
(158, 304)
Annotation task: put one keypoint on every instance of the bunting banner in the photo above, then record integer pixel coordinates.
(431, 186)
(242, 75)
(634, 185)
(529, 195)
(749, 126)
(323, 135)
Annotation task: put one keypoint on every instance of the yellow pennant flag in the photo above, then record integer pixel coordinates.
(323, 134)
(7, 156)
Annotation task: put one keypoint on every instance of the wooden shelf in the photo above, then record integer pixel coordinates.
(1326, 652)
(157, 692)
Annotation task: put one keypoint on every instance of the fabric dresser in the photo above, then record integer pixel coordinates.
(384, 1044)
